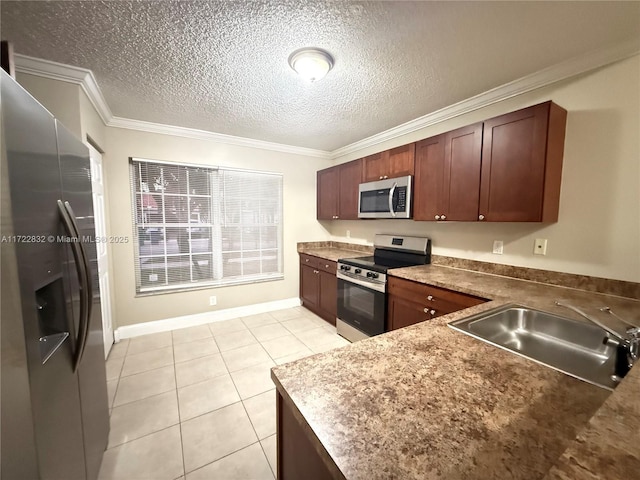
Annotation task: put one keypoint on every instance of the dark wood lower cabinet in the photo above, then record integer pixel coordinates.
(297, 457)
(309, 286)
(328, 297)
(403, 313)
(412, 302)
(319, 287)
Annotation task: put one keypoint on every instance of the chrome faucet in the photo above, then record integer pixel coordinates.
(630, 340)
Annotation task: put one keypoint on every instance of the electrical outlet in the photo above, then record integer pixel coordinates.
(497, 247)
(348, 233)
(540, 246)
(213, 300)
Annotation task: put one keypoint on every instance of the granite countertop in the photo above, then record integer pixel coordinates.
(324, 251)
(430, 402)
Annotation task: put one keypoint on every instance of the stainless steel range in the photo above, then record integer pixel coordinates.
(362, 283)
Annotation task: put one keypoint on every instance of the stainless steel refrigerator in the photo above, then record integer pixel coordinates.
(54, 410)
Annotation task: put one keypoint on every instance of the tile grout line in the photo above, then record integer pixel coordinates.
(175, 378)
(225, 456)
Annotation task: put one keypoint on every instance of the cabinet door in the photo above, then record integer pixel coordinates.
(461, 173)
(401, 161)
(327, 193)
(428, 199)
(403, 313)
(513, 165)
(350, 178)
(328, 300)
(375, 166)
(309, 286)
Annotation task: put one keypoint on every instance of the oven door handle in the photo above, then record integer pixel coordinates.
(392, 190)
(378, 287)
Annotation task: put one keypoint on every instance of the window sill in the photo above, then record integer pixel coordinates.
(207, 286)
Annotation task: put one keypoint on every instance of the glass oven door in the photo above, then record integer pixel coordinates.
(361, 307)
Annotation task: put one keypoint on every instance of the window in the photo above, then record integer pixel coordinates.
(200, 226)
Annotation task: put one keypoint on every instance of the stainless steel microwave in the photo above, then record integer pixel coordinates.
(389, 198)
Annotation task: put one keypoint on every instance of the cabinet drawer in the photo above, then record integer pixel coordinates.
(327, 265)
(309, 260)
(435, 298)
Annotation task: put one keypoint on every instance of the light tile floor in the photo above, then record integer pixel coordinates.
(199, 403)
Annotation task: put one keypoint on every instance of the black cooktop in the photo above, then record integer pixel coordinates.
(381, 263)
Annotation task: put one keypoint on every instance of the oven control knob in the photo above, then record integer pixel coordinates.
(374, 275)
(347, 268)
(357, 270)
(369, 274)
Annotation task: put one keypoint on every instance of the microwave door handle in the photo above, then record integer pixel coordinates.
(391, 192)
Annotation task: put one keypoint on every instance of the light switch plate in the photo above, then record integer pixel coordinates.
(540, 246)
(213, 300)
(498, 247)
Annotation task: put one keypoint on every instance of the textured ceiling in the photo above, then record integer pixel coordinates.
(222, 66)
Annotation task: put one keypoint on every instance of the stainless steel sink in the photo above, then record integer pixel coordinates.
(576, 348)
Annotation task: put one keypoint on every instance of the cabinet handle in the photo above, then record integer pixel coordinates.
(306, 260)
(430, 298)
(426, 310)
(385, 177)
(480, 217)
(432, 312)
(437, 217)
(443, 217)
(381, 177)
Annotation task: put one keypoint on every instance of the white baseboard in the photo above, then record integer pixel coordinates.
(130, 331)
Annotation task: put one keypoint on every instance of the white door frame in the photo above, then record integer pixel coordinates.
(99, 214)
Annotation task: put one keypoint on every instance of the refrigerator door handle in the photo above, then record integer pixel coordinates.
(89, 290)
(81, 269)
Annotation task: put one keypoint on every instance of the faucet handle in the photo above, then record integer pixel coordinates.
(634, 332)
(631, 329)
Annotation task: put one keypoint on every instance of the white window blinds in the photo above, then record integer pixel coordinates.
(198, 226)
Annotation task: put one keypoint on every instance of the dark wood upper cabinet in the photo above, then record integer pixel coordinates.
(374, 167)
(327, 188)
(350, 178)
(522, 165)
(447, 183)
(462, 161)
(337, 191)
(428, 190)
(392, 163)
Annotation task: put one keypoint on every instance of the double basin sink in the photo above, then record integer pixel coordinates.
(576, 348)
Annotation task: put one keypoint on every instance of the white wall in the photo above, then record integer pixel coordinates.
(299, 220)
(598, 231)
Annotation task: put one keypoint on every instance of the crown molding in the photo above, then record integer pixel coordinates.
(70, 74)
(542, 78)
(88, 83)
(139, 125)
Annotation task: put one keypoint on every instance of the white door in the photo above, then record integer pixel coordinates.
(97, 185)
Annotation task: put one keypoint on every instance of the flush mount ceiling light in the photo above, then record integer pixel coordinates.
(311, 63)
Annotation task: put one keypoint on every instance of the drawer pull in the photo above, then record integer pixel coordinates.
(432, 312)
(430, 298)
(426, 310)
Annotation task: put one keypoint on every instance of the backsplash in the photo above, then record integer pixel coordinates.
(582, 282)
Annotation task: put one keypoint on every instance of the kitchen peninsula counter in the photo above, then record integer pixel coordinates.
(429, 402)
